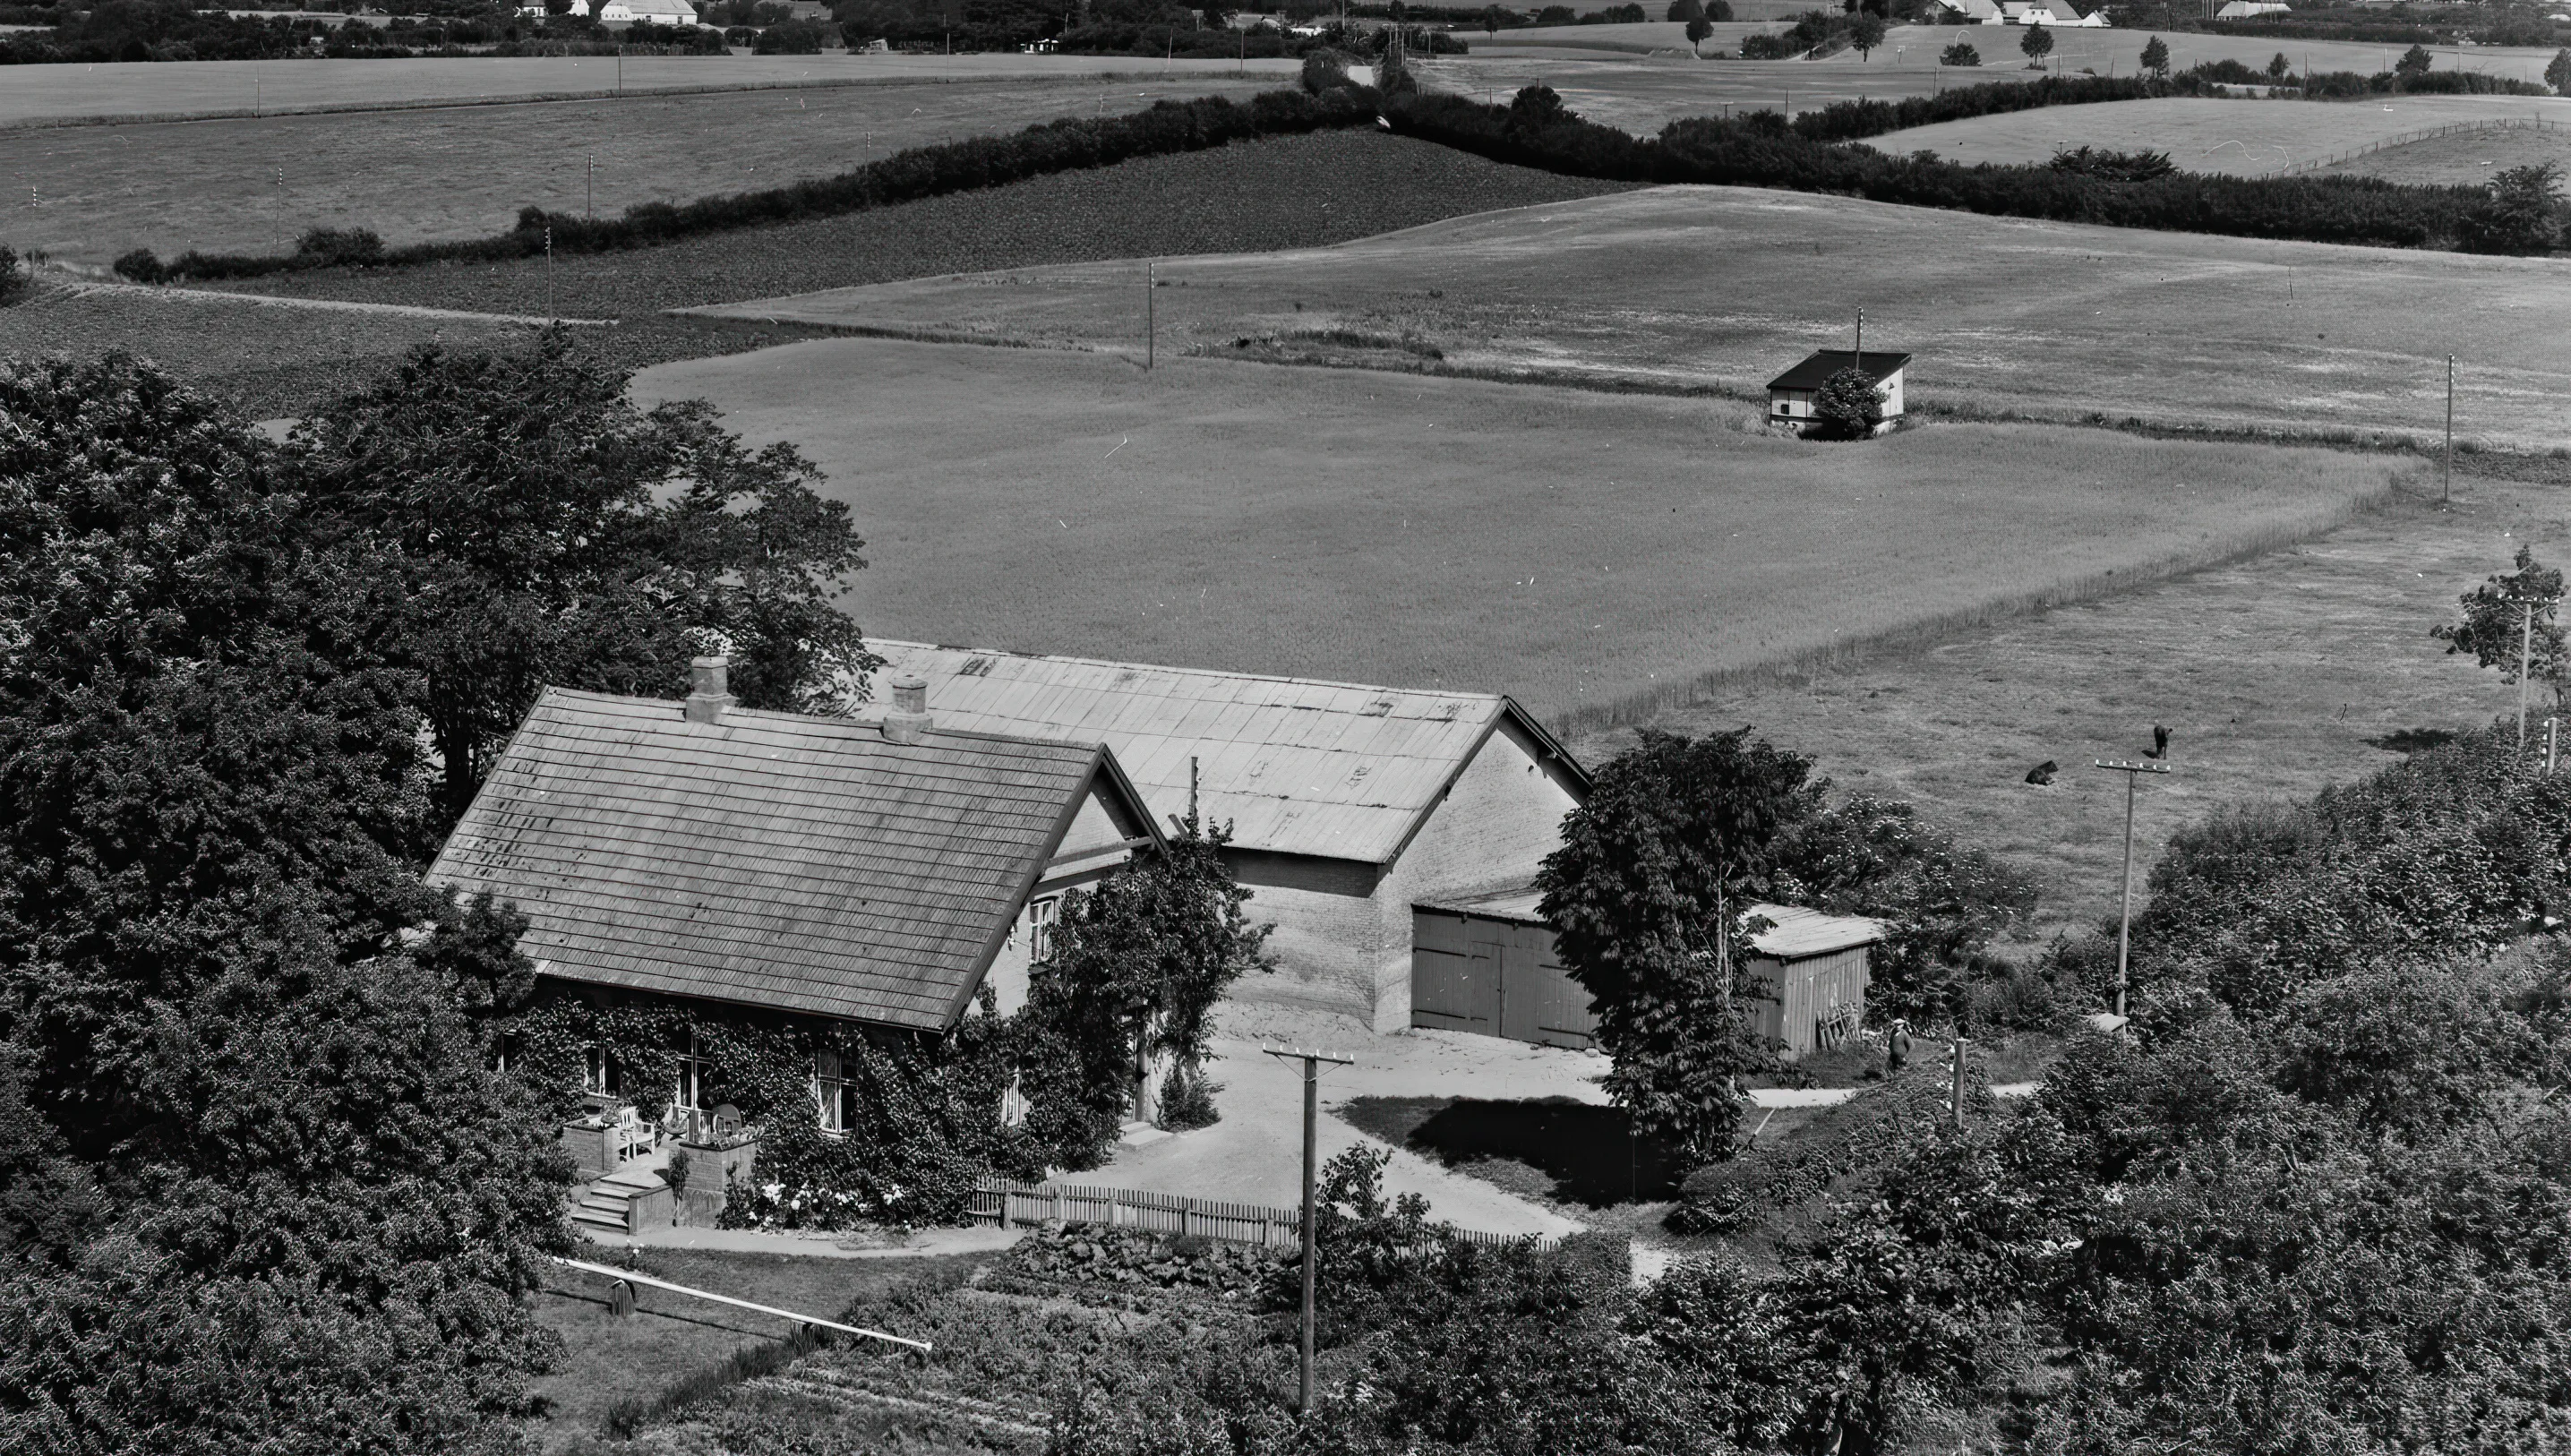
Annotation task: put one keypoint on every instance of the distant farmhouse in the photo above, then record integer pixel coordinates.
(703, 853)
(2245, 9)
(1348, 804)
(2051, 13)
(655, 12)
(1791, 394)
(1488, 964)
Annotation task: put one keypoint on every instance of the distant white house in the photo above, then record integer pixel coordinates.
(1791, 394)
(2051, 13)
(2243, 9)
(656, 12)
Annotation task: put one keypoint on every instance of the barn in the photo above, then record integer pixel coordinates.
(1348, 804)
(1791, 395)
(1488, 964)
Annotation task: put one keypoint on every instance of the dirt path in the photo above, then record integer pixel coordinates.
(211, 298)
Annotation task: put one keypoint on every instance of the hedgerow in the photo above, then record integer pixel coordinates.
(1763, 149)
(1068, 144)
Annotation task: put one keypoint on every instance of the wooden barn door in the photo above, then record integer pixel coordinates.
(1539, 1002)
(1454, 972)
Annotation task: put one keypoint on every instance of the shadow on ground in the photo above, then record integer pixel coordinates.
(1567, 1151)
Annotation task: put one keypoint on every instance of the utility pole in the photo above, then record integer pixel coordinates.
(1860, 339)
(1151, 320)
(2125, 920)
(1311, 1113)
(1960, 1044)
(589, 199)
(2446, 486)
(549, 272)
(2525, 655)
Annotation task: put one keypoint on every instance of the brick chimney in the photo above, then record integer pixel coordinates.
(908, 720)
(707, 697)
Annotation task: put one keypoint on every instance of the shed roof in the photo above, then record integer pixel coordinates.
(1298, 766)
(771, 859)
(1814, 372)
(1795, 933)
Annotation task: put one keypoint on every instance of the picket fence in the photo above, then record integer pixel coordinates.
(1022, 1205)
(2525, 124)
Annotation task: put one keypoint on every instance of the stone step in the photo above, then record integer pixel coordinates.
(595, 1219)
(640, 1180)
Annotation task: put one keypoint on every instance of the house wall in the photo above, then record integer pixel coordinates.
(1344, 928)
(1097, 825)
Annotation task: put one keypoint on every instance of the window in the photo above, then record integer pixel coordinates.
(692, 1067)
(829, 1092)
(598, 1073)
(1041, 916)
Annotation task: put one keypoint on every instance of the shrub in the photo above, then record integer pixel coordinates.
(2085, 161)
(15, 276)
(2520, 215)
(143, 266)
(1186, 1101)
(1848, 406)
(1961, 53)
(333, 247)
(1859, 1135)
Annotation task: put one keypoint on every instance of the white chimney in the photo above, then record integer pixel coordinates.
(708, 699)
(908, 720)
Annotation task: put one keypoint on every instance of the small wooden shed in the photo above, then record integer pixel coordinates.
(1488, 964)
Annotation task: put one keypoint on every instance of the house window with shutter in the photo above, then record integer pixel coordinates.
(1041, 919)
(693, 1068)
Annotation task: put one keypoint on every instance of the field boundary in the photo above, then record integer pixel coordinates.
(2497, 123)
(1646, 706)
(549, 98)
(85, 288)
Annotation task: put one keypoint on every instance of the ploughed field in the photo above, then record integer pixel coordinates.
(37, 94)
(1571, 547)
(441, 173)
(1716, 289)
(2246, 138)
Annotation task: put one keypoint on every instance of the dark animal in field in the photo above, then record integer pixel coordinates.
(2042, 774)
(2160, 744)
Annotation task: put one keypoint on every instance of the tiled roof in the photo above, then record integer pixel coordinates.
(769, 859)
(1298, 766)
(1812, 373)
(1795, 933)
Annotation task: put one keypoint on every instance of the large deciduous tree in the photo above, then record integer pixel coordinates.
(256, 1190)
(2037, 44)
(1647, 894)
(548, 531)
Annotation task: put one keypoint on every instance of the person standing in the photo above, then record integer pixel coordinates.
(1896, 1049)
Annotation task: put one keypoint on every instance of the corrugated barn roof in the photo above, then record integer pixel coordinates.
(771, 859)
(1795, 933)
(1298, 766)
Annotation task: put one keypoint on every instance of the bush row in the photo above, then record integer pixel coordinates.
(1848, 121)
(1867, 1131)
(1068, 144)
(1762, 150)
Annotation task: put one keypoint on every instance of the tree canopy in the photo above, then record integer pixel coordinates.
(2510, 610)
(2037, 43)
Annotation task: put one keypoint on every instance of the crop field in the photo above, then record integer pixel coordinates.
(2119, 51)
(1644, 94)
(1714, 288)
(1569, 547)
(2460, 157)
(1286, 192)
(2278, 674)
(2243, 136)
(87, 194)
(38, 95)
(274, 360)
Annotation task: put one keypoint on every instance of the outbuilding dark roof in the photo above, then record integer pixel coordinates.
(771, 859)
(1879, 365)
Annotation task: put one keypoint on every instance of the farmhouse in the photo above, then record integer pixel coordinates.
(875, 874)
(1488, 964)
(656, 12)
(1791, 394)
(1346, 803)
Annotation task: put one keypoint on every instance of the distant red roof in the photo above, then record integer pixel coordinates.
(1879, 365)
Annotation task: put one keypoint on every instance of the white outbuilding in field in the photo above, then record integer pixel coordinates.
(1791, 395)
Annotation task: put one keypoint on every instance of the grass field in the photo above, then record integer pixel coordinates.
(273, 359)
(2241, 137)
(1569, 547)
(1642, 96)
(40, 95)
(2462, 156)
(2278, 674)
(253, 186)
(1721, 287)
